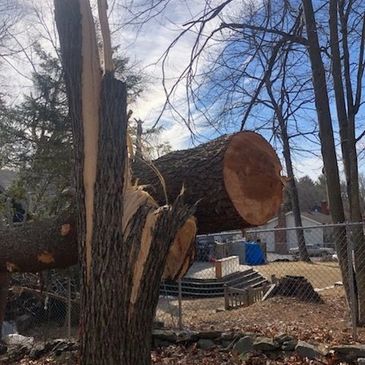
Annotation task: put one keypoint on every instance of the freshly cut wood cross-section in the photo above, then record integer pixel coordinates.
(236, 179)
(251, 171)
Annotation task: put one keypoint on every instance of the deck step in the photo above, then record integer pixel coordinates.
(205, 288)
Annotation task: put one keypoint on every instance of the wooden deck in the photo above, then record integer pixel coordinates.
(206, 270)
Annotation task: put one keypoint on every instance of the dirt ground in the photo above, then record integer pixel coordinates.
(327, 323)
(320, 274)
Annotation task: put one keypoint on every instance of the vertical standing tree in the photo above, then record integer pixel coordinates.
(326, 135)
(348, 102)
(124, 237)
(284, 107)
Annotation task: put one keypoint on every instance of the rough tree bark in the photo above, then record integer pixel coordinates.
(235, 178)
(34, 247)
(37, 246)
(353, 104)
(52, 244)
(124, 237)
(328, 148)
(324, 115)
(346, 112)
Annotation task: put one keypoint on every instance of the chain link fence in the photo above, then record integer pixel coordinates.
(257, 280)
(43, 306)
(307, 280)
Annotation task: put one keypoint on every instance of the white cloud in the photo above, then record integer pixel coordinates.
(310, 166)
(145, 47)
(153, 40)
(178, 135)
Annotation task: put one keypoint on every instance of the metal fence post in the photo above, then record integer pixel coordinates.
(226, 298)
(69, 304)
(180, 303)
(351, 278)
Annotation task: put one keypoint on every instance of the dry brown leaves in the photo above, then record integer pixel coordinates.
(327, 323)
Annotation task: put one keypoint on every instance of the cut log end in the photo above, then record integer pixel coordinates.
(182, 252)
(252, 177)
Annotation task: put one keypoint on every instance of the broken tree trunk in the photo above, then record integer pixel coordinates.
(124, 237)
(52, 244)
(236, 179)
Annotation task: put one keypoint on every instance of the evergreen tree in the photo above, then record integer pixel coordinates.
(41, 128)
(38, 135)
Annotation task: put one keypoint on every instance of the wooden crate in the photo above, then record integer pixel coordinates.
(236, 298)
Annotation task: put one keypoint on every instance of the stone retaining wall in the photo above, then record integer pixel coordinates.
(245, 344)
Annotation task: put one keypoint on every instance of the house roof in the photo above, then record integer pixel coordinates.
(6, 179)
(318, 217)
(315, 217)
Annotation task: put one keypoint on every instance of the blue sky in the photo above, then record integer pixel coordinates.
(145, 46)
(306, 154)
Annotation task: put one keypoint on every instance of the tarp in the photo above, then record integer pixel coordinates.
(254, 254)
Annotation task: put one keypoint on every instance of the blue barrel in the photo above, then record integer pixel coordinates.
(254, 254)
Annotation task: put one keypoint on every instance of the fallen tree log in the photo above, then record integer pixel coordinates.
(39, 245)
(52, 244)
(236, 179)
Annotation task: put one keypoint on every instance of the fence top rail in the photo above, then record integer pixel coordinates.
(319, 226)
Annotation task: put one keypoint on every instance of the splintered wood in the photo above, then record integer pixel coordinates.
(90, 93)
(134, 196)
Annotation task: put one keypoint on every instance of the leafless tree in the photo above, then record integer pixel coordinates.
(271, 29)
(347, 43)
(10, 14)
(253, 72)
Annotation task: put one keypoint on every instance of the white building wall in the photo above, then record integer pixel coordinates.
(268, 237)
(311, 235)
